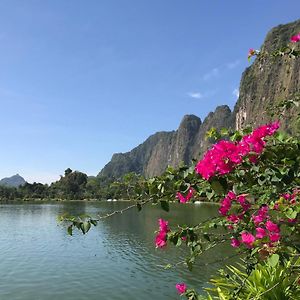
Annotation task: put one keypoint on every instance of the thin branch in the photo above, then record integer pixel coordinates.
(121, 210)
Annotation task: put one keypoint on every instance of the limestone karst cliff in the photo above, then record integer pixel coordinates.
(168, 148)
(263, 85)
(268, 81)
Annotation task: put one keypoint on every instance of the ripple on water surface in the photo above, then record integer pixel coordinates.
(116, 260)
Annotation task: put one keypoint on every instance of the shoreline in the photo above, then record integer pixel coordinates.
(33, 200)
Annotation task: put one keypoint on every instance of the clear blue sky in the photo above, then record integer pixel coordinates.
(80, 80)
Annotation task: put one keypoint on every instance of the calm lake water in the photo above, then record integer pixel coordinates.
(116, 260)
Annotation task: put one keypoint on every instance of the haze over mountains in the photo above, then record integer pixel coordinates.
(13, 181)
(263, 85)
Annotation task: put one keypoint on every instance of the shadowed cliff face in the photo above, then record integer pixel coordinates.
(263, 85)
(269, 81)
(221, 118)
(152, 157)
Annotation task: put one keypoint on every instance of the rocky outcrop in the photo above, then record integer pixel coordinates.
(268, 81)
(263, 85)
(137, 160)
(222, 117)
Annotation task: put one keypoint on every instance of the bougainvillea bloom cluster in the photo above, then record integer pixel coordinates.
(251, 53)
(181, 288)
(264, 229)
(161, 237)
(224, 156)
(261, 215)
(287, 199)
(187, 198)
(226, 204)
(248, 239)
(295, 38)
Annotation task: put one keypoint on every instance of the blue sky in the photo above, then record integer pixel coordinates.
(81, 80)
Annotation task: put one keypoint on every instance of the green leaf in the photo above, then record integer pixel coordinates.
(139, 206)
(168, 266)
(291, 214)
(151, 181)
(217, 187)
(273, 260)
(235, 189)
(186, 173)
(85, 227)
(189, 263)
(209, 195)
(165, 205)
(224, 131)
(94, 222)
(206, 236)
(70, 230)
(179, 242)
(77, 224)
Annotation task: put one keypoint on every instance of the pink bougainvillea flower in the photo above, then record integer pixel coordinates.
(190, 194)
(265, 130)
(243, 202)
(261, 215)
(286, 196)
(295, 38)
(181, 198)
(272, 227)
(255, 139)
(253, 159)
(224, 156)
(296, 191)
(263, 210)
(274, 237)
(181, 288)
(234, 218)
(163, 225)
(161, 237)
(231, 195)
(223, 210)
(161, 240)
(248, 239)
(257, 219)
(251, 53)
(235, 243)
(226, 204)
(187, 198)
(260, 233)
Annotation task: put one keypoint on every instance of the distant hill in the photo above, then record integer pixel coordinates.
(13, 181)
(263, 85)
